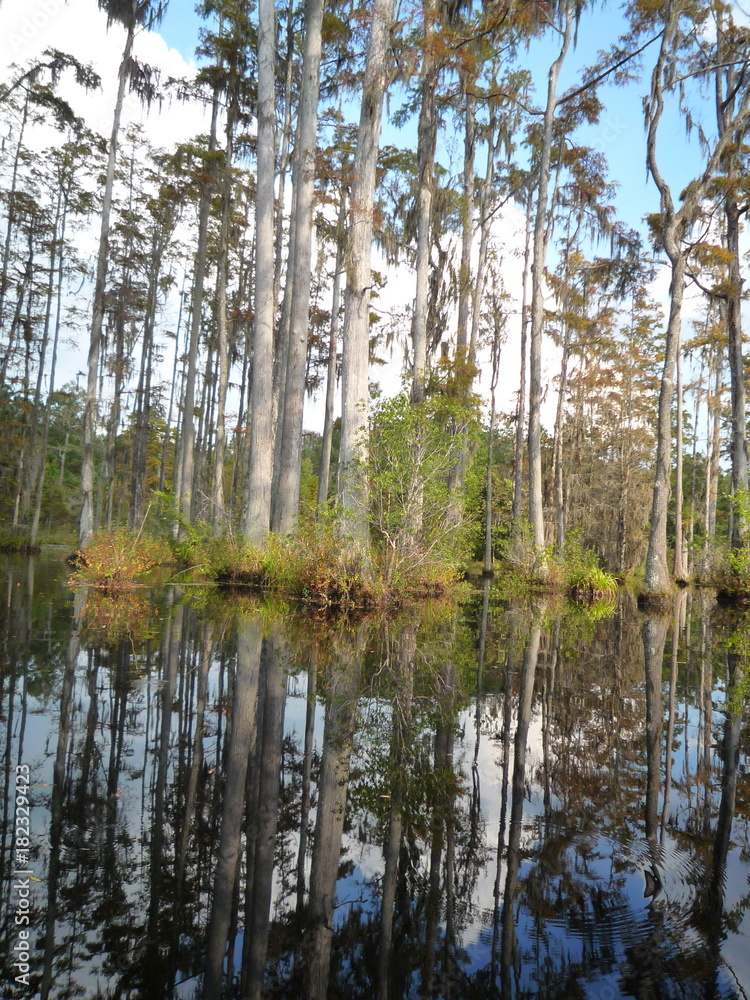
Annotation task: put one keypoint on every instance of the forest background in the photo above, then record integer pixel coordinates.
(524, 206)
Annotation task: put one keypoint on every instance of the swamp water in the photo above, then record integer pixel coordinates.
(511, 800)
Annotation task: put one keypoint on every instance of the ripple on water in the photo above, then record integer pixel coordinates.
(613, 893)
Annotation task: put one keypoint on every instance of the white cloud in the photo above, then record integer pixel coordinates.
(79, 28)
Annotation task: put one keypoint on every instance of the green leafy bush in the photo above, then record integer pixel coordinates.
(417, 520)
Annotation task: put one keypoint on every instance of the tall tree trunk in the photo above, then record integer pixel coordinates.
(9, 226)
(520, 435)
(657, 579)
(86, 522)
(51, 389)
(680, 567)
(726, 79)
(464, 372)
(35, 452)
(426, 142)
(187, 449)
(738, 446)
(218, 513)
(257, 520)
(143, 397)
(286, 507)
(325, 453)
(676, 226)
(536, 503)
(356, 344)
(488, 506)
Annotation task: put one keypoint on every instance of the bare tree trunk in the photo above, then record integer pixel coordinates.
(736, 367)
(286, 507)
(187, 450)
(657, 579)
(86, 522)
(325, 455)
(680, 568)
(218, 513)
(356, 345)
(9, 225)
(521, 405)
(488, 508)
(257, 520)
(536, 503)
(426, 141)
(50, 392)
(558, 446)
(486, 212)
(726, 94)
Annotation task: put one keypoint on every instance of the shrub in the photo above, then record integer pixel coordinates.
(416, 519)
(730, 573)
(114, 560)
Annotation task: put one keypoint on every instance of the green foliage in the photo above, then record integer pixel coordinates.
(732, 573)
(475, 503)
(585, 579)
(417, 519)
(17, 545)
(189, 544)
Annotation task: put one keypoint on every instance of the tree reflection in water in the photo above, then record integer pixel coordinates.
(231, 802)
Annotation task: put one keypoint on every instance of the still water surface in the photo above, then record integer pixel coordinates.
(512, 800)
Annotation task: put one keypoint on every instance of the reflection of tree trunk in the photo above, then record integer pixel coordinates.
(509, 955)
(334, 781)
(438, 834)
(58, 788)
(654, 636)
(547, 709)
(306, 772)
(507, 719)
(196, 766)
(679, 607)
(244, 709)
(260, 877)
(153, 972)
(196, 763)
(476, 797)
(706, 724)
(730, 750)
(406, 648)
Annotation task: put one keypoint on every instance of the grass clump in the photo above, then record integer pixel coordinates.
(17, 545)
(586, 580)
(313, 565)
(114, 560)
(319, 567)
